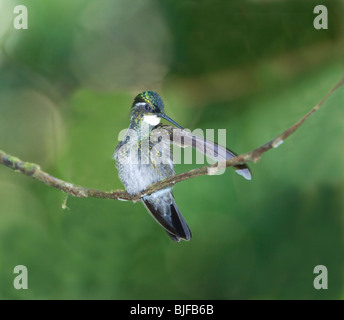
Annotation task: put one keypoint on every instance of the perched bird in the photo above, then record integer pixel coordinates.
(143, 157)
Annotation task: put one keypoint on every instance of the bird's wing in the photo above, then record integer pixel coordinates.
(183, 138)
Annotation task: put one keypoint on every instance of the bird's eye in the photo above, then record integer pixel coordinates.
(148, 107)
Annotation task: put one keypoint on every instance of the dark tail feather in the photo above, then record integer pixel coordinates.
(169, 217)
(172, 236)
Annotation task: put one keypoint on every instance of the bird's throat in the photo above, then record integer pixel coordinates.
(152, 120)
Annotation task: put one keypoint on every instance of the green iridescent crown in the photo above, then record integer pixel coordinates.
(150, 97)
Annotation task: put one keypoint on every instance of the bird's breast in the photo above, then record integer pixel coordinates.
(142, 163)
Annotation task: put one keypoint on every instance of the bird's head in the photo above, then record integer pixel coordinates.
(149, 107)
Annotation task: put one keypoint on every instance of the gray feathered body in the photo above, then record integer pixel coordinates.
(140, 162)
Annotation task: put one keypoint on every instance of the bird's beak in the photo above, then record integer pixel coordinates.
(164, 116)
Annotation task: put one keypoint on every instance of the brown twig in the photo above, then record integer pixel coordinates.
(34, 171)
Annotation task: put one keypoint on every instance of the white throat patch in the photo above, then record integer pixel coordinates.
(153, 120)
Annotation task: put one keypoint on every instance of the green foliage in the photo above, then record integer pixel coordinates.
(63, 106)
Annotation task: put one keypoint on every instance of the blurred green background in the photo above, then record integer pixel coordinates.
(250, 67)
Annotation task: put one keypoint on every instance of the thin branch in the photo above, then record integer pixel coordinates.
(34, 170)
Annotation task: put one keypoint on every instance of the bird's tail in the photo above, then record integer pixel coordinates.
(163, 208)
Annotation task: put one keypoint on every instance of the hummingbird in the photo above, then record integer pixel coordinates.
(143, 157)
